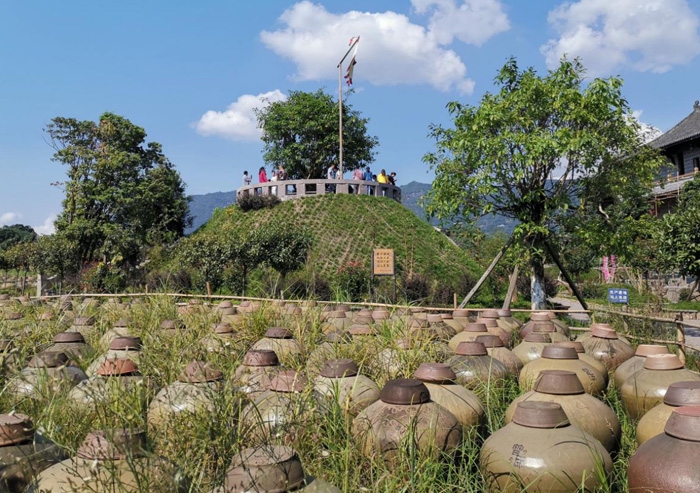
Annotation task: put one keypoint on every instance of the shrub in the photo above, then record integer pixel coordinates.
(443, 294)
(416, 287)
(353, 280)
(256, 202)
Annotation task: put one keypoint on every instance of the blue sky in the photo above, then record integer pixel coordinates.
(190, 73)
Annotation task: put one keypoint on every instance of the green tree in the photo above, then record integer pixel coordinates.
(301, 134)
(208, 255)
(533, 150)
(17, 233)
(679, 235)
(121, 194)
(285, 248)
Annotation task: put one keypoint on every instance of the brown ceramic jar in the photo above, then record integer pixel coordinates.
(394, 360)
(546, 319)
(600, 328)
(646, 388)
(636, 363)
(442, 330)
(340, 382)
(270, 468)
(493, 315)
(71, 343)
(254, 375)
(541, 449)
(582, 409)
(46, 372)
(470, 332)
(494, 346)
(282, 342)
(531, 347)
(462, 317)
(441, 382)
(583, 356)
(23, 453)
(111, 461)
(116, 379)
(128, 347)
(546, 327)
(337, 320)
(678, 394)
(605, 346)
(668, 462)
(336, 343)
(121, 328)
(84, 325)
(172, 328)
(506, 316)
(563, 358)
(220, 340)
(493, 328)
(474, 367)
(405, 410)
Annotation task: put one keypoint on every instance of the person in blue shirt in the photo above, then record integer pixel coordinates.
(368, 177)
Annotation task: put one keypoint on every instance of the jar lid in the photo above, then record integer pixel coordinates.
(404, 392)
(540, 317)
(227, 311)
(288, 381)
(649, 349)
(684, 423)
(558, 382)
(488, 322)
(475, 327)
(200, 372)
(122, 323)
(544, 327)
(559, 352)
(381, 315)
(504, 312)
(540, 414)
(663, 362)
(416, 309)
(460, 313)
(172, 324)
(278, 333)
(125, 343)
(117, 444)
(48, 359)
(360, 330)
(363, 319)
(339, 368)
(269, 468)
(405, 343)
(446, 316)
(435, 373)
(339, 337)
(418, 323)
(472, 348)
(68, 337)
(603, 332)
(46, 315)
(261, 357)
(577, 345)
(343, 308)
(683, 394)
(116, 367)
(15, 428)
(533, 336)
(490, 313)
(335, 314)
(434, 318)
(83, 321)
(225, 304)
(292, 310)
(223, 328)
(490, 341)
(602, 326)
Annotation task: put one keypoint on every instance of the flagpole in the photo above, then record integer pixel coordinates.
(340, 105)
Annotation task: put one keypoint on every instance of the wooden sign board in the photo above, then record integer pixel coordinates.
(383, 262)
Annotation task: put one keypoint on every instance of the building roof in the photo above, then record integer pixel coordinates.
(686, 129)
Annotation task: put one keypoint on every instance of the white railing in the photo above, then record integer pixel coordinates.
(296, 189)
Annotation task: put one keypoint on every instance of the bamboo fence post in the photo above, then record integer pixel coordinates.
(680, 337)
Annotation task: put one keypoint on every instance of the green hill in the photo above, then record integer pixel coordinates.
(347, 228)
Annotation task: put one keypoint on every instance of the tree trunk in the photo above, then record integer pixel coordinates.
(692, 290)
(538, 298)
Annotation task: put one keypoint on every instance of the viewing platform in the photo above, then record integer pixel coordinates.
(297, 189)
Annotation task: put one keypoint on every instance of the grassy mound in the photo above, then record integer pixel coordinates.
(346, 228)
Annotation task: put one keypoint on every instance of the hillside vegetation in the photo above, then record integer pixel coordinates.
(346, 228)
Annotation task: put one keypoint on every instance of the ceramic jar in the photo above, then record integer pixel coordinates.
(668, 462)
(336, 342)
(23, 452)
(46, 372)
(71, 343)
(272, 468)
(394, 360)
(121, 328)
(493, 315)
(583, 356)
(220, 339)
(128, 347)
(474, 367)
(605, 346)
(582, 409)
(111, 461)
(115, 380)
(254, 375)
(275, 416)
(84, 325)
(404, 410)
(172, 328)
(563, 358)
(493, 328)
(545, 327)
(441, 382)
(506, 316)
(462, 317)
(470, 332)
(340, 382)
(541, 449)
(646, 388)
(543, 318)
(636, 363)
(337, 320)
(282, 342)
(600, 328)
(442, 330)
(494, 346)
(678, 394)
(194, 391)
(531, 347)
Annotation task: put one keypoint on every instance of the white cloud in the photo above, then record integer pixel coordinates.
(472, 21)
(47, 228)
(393, 50)
(644, 35)
(9, 218)
(238, 121)
(646, 132)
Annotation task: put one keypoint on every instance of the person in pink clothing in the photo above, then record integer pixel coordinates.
(262, 176)
(357, 175)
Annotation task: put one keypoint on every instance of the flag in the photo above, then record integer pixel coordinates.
(353, 61)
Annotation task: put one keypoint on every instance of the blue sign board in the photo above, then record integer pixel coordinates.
(618, 295)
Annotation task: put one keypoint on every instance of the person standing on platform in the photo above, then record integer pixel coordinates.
(368, 177)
